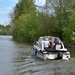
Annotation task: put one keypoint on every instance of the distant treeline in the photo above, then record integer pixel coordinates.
(5, 30)
(30, 23)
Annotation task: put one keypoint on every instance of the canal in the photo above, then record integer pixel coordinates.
(16, 59)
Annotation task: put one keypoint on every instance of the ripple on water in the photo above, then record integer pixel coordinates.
(17, 59)
(36, 66)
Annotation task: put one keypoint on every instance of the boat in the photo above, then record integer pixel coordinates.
(59, 52)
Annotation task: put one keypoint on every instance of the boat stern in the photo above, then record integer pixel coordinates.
(66, 55)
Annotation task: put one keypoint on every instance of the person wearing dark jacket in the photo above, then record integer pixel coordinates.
(56, 42)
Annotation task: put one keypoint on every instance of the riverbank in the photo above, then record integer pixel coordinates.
(70, 46)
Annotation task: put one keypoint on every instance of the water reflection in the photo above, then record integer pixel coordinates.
(17, 59)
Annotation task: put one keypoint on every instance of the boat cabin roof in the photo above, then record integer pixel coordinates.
(50, 38)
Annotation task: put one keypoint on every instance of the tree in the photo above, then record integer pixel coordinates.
(25, 21)
(57, 19)
(63, 11)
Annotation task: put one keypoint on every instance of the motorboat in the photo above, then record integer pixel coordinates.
(59, 52)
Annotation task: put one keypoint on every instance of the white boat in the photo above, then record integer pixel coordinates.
(59, 52)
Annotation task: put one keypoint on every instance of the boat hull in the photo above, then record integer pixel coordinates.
(57, 55)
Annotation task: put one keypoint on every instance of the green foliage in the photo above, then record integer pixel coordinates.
(30, 24)
(5, 30)
(45, 24)
(64, 15)
(25, 21)
(67, 34)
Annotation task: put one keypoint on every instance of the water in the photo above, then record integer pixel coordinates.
(16, 59)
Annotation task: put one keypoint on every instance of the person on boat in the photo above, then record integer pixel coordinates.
(46, 43)
(51, 44)
(56, 42)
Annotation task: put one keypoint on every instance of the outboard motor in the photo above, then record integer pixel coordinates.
(59, 55)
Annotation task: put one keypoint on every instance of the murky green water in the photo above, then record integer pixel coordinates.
(17, 59)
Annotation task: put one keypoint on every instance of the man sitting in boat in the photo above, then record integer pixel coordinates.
(46, 43)
(56, 42)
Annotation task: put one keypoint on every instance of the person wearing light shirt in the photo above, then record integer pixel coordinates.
(46, 43)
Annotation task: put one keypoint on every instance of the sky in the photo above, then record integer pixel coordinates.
(6, 7)
(40, 2)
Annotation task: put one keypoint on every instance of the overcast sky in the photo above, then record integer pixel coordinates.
(6, 7)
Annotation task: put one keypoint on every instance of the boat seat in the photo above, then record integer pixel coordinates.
(57, 47)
